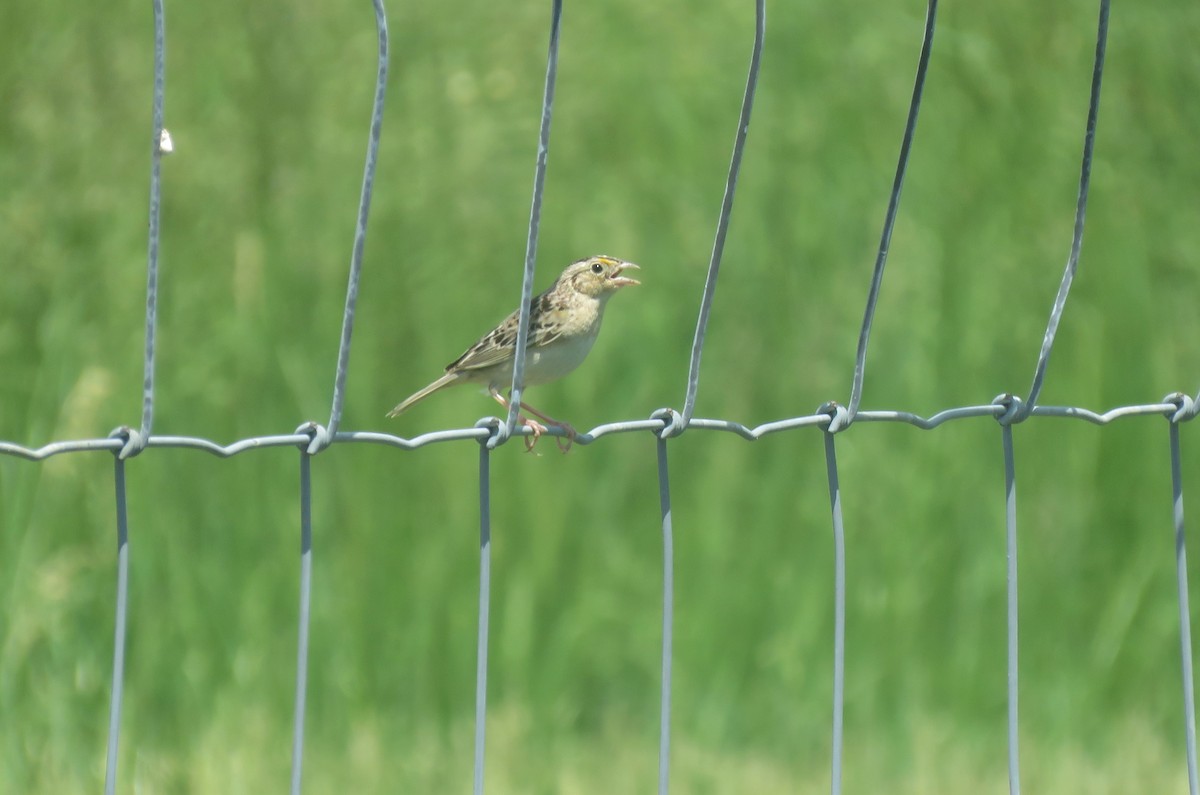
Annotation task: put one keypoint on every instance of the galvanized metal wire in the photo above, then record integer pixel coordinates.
(485, 600)
(156, 153)
(1018, 411)
(1010, 537)
(1085, 174)
(657, 423)
(311, 439)
(668, 617)
(302, 619)
(121, 612)
(714, 263)
(1185, 625)
(885, 238)
(839, 610)
(535, 218)
(321, 438)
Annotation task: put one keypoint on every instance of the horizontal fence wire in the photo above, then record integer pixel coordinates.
(1177, 405)
(1007, 410)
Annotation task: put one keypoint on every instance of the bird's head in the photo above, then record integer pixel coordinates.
(598, 276)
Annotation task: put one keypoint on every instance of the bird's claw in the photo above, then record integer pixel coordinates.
(536, 428)
(563, 442)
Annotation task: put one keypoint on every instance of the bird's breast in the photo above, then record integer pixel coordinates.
(553, 361)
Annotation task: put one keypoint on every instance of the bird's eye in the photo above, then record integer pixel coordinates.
(597, 267)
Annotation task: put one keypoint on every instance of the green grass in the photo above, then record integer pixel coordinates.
(268, 105)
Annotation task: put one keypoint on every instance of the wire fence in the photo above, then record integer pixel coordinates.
(832, 418)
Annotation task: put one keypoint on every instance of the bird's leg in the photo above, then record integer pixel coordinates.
(570, 432)
(536, 427)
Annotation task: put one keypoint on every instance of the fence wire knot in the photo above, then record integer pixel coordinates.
(134, 441)
(497, 432)
(839, 416)
(1185, 407)
(1015, 409)
(672, 421)
(319, 437)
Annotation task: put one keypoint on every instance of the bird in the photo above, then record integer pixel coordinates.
(563, 324)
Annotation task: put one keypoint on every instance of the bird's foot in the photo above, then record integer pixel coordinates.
(536, 428)
(564, 442)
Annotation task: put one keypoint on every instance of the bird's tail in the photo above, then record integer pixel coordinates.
(445, 381)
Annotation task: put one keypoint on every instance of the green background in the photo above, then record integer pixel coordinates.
(269, 103)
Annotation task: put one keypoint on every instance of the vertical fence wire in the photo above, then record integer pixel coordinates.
(1085, 172)
(118, 669)
(668, 618)
(302, 631)
(735, 164)
(156, 153)
(535, 217)
(485, 587)
(1185, 620)
(135, 442)
(910, 126)
(839, 611)
(1010, 512)
(360, 232)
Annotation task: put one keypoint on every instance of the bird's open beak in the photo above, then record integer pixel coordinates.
(622, 281)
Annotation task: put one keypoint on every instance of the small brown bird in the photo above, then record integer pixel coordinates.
(563, 324)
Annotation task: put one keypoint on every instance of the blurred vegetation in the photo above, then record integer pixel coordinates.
(268, 104)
